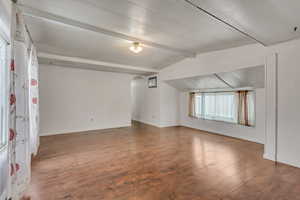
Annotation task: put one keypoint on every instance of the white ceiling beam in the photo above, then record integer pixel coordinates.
(83, 63)
(36, 13)
(231, 25)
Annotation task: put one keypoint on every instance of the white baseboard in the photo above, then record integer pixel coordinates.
(220, 133)
(289, 162)
(169, 125)
(165, 125)
(147, 122)
(82, 130)
(282, 160)
(269, 157)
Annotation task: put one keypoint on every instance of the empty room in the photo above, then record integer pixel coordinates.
(149, 100)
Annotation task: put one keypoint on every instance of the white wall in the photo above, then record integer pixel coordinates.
(169, 105)
(146, 105)
(155, 106)
(255, 134)
(216, 62)
(73, 100)
(288, 102)
(253, 55)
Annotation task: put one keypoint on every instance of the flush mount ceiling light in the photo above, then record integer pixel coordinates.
(136, 47)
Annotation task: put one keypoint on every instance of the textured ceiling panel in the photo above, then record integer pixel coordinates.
(198, 83)
(269, 21)
(247, 77)
(169, 22)
(173, 23)
(69, 41)
(251, 78)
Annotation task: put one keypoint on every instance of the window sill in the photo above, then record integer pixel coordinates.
(220, 121)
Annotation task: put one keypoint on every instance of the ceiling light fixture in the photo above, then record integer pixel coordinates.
(136, 47)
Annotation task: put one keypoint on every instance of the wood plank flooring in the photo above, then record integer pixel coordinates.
(148, 163)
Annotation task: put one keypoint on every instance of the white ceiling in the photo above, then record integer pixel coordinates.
(69, 41)
(175, 24)
(269, 21)
(251, 78)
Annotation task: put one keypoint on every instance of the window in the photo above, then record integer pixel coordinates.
(152, 82)
(234, 107)
(3, 95)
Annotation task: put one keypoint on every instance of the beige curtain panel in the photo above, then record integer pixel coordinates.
(243, 118)
(192, 103)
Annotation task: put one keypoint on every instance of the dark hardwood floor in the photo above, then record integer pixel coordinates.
(147, 163)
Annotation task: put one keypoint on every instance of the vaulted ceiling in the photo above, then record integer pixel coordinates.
(169, 30)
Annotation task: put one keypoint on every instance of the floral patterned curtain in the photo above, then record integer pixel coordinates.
(23, 121)
(33, 101)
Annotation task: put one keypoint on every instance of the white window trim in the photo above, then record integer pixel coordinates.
(4, 78)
